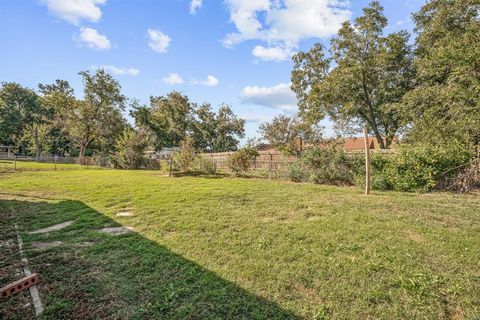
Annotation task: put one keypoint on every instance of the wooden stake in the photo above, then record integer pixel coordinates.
(367, 162)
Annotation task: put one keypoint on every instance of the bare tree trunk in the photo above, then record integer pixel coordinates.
(388, 141)
(81, 154)
(379, 138)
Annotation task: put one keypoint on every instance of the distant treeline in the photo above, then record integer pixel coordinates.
(52, 120)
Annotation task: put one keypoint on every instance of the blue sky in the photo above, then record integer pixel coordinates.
(218, 51)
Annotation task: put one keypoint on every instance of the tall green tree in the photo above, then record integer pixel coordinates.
(98, 118)
(290, 134)
(217, 132)
(445, 105)
(174, 117)
(169, 117)
(20, 114)
(364, 80)
(58, 99)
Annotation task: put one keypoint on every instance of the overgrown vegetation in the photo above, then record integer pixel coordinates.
(419, 167)
(204, 164)
(131, 149)
(324, 165)
(413, 168)
(184, 158)
(240, 161)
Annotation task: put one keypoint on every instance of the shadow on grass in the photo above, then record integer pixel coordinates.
(220, 175)
(200, 174)
(97, 275)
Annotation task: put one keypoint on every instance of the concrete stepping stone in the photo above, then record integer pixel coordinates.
(46, 245)
(55, 227)
(115, 231)
(125, 214)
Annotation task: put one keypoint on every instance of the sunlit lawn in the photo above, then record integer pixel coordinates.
(8, 165)
(226, 248)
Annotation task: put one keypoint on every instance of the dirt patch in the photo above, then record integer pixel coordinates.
(414, 236)
(52, 228)
(7, 245)
(46, 245)
(116, 230)
(125, 214)
(307, 292)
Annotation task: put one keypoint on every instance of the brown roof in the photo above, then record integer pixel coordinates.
(349, 144)
(358, 143)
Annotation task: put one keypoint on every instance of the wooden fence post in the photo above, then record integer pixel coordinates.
(367, 162)
(270, 166)
(214, 163)
(15, 163)
(170, 169)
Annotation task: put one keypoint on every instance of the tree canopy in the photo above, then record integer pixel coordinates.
(445, 104)
(289, 134)
(362, 82)
(173, 117)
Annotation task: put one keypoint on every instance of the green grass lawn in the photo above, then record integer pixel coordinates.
(8, 165)
(226, 248)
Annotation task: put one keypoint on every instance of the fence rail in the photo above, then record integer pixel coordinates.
(265, 161)
(9, 161)
(275, 161)
(46, 159)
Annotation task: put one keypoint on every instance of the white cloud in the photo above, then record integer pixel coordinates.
(74, 11)
(92, 39)
(255, 118)
(272, 53)
(118, 70)
(283, 23)
(173, 78)
(211, 81)
(195, 5)
(158, 41)
(279, 97)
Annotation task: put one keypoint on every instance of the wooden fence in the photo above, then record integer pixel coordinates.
(264, 161)
(273, 161)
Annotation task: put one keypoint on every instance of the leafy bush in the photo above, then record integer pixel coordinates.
(329, 165)
(380, 175)
(184, 158)
(415, 168)
(131, 149)
(239, 162)
(298, 172)
(205, 164)
(420, 167)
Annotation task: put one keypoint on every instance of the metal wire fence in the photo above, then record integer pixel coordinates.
(10, 161)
